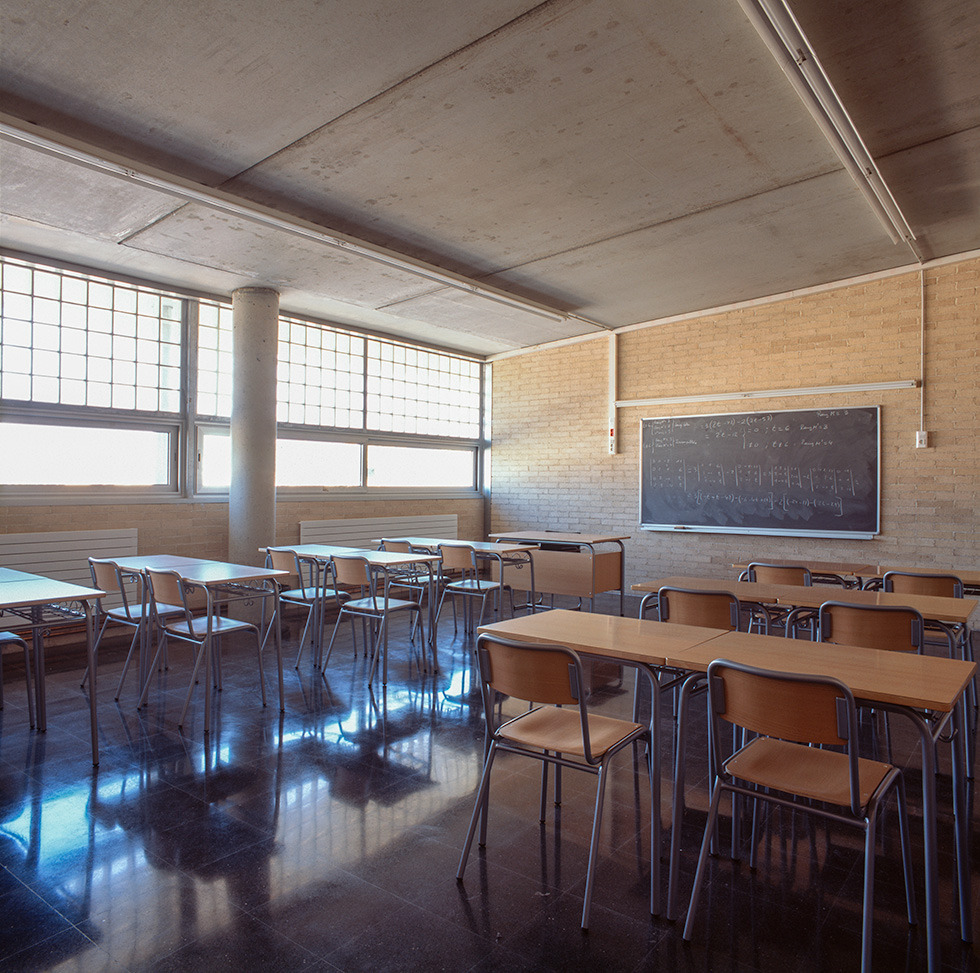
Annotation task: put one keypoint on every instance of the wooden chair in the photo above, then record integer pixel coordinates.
(355, 571)
(940, 586)
(11, 642)
(708, 609)
(461, 559)
(133, 612)
(789, 713)
(873, 626)
(304, 591)
(558, 729)
(781, 574)
(168, 588)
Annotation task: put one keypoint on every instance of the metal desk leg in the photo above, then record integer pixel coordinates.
(40, 696)
(677, 812)
(961, 763)
(655, 786)
(278, 617)
(93, 676)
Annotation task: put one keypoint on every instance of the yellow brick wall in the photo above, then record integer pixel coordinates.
(201, 529)
(551, 466)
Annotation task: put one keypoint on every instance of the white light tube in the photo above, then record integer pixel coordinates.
(770, 393)
(777, 26)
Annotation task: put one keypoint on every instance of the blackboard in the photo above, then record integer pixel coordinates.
(814, 472)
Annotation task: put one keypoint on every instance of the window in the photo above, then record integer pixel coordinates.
(49, 455)
(103, 385)
(411, 466)
(77, 341)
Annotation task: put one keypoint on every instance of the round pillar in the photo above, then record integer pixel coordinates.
(252, 498)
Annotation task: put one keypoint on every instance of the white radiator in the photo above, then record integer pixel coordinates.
(64, 555)
(363, 532)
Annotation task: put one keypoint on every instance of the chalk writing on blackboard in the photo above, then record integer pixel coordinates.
(810, 471)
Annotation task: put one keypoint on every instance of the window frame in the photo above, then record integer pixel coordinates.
(186, 427)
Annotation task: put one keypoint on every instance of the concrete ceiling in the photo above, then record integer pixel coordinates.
(409, 166)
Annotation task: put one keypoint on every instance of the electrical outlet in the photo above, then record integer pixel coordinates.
(921, 439)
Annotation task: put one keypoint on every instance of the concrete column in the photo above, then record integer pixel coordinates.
(252, 500)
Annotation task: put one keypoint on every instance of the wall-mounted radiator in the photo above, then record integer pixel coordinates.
(363, 532)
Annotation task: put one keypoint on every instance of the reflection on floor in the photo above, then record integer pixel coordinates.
(327, 839)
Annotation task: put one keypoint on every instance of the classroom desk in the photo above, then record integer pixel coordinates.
(583, 572)
(904, 682)
(45, 603)
(382, 561)
(134, 566)
(639, 642)
(241, 581)
(829, 570)
(216, 579)
(969, 576)
(951, 610)
(501, 554)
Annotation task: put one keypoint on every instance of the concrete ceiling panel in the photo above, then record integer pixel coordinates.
(788, 239)
(208, 89)
(43, 189)
(273, 257)
(908, 72)
(511, 327)
(575, 124)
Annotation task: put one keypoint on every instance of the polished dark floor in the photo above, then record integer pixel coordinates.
(327, 839)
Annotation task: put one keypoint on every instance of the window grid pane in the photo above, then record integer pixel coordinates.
(321, 376)
(54, 322)
(214, 360)
(412, 390)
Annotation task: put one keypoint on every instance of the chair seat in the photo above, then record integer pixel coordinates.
(376, 606)
(821, 775)
(560, 730)
(136, 613)
(473, 585)
(219, 626)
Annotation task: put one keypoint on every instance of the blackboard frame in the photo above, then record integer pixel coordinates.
(733, 442)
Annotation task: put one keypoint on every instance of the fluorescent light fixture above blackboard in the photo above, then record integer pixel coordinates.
(779, 29)
(770, 393)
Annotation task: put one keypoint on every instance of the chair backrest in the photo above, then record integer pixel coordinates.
(911, 583)
(536, 673)
(107, 575)
(709, 609)
(457, 557)
(788, 706)
(168, 588)
(286, 559)
(352, 571)
(779, 574)
(397, 547)
(873, 626)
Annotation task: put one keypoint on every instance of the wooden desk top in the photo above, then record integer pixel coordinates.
(12, 574)
(902, 678)
(969, 576)
(157, 562)
(955, 610)
(480, 547)
(767, 594)
(38, 590)
(560, 537)
(856, 569)
(610, 636)
(323, 552)
(931, 607)
(207, 573)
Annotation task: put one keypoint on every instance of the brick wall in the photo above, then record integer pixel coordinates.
(551, 466)
(201, 529)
